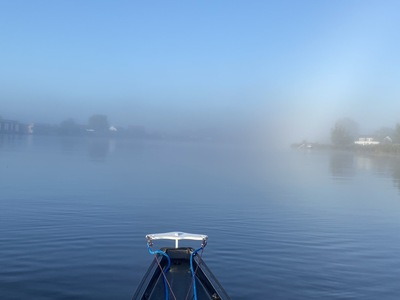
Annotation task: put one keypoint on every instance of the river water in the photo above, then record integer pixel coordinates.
(281, 224)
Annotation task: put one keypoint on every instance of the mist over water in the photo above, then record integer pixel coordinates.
(198, 104)
(282, 225)
(286, 70)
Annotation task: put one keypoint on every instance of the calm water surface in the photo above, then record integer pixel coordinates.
(281, 225)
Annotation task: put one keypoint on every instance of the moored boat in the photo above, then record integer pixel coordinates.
(179, 273)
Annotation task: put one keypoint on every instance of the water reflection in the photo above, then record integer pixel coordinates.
(9, 140)
(345, 165)
(69, 145)
(99, 148)
(396, 175)
(341, 165)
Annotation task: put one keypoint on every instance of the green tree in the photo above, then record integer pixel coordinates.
(396, 134)
(339, 136)
(384, 132)
(69, 127)
(99, 123)
(344, 132)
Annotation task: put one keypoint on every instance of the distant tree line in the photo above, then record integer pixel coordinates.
(97, 125)
(345, 132)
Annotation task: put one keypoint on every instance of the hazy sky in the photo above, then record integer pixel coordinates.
(290, 66)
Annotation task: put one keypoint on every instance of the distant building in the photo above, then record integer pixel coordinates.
(11, 127)
(363, 141)
(388, 140)
(30, 128)
(43, 129)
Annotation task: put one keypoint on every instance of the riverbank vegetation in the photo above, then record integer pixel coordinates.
(345, 135)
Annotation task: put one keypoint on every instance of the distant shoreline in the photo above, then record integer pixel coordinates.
(387, 149)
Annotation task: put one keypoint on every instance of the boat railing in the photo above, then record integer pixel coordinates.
(177, 236)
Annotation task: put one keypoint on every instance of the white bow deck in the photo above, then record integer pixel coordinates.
(176, 236)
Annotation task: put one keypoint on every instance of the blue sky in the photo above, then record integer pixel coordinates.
(296, 66)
